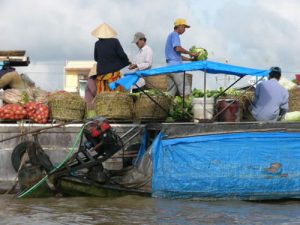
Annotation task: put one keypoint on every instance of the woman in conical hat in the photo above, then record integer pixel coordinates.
(110, 57)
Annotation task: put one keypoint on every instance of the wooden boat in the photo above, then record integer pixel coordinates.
(73, 186)
(247, 161)
(233, 167)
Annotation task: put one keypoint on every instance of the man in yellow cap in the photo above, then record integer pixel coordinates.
(173, 51)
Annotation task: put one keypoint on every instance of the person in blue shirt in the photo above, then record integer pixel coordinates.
(271, 99)
(173, 53)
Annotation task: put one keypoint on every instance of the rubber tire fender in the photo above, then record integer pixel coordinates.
(39, 156)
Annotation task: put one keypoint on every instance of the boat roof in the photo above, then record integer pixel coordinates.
(210, 67)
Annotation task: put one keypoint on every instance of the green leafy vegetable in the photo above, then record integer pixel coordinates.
(201, 51)
(181, 111)
(215, 93)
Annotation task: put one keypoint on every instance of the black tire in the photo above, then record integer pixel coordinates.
(36, 157)
(18, 153)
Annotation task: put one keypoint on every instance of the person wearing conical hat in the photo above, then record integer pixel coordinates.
(110, 57)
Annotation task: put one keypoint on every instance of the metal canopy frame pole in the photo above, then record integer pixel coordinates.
(204, 107)
(228, 87)
(183, 96)
(236, 99)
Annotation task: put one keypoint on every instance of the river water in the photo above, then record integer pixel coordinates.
(143, 210)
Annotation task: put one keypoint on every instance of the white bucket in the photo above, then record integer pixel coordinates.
(198, 108)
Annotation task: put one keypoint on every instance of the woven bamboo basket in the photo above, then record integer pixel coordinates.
(114, 105)
(146, 109)
(66, 106)
(294, 99)
(161, 82)
(245, 104)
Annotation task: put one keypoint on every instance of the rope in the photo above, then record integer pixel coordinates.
(44, 179)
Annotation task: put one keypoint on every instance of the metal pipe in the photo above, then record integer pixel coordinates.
(129, 131)
(38, 131)
(183, 96)
(204, 108)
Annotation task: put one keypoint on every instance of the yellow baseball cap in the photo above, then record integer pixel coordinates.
(181, 21)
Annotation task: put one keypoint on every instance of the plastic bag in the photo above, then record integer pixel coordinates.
(17, 96)
(40, 95)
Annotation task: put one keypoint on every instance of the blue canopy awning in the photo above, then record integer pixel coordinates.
(208, 66)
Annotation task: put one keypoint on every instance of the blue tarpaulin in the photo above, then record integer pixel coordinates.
(253, 165)
(210, 67)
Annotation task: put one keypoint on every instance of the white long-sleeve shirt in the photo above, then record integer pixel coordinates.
(143, 61)
(144, 58)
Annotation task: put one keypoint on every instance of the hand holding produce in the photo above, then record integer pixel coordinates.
(200, 52)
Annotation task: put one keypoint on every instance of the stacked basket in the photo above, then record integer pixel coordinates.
(160, 82)
(114, 105)
(147, 110)
(66, 106)
(294, 99)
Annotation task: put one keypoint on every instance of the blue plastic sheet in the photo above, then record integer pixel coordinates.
(210, 67)
(242, 166)
(143, 147)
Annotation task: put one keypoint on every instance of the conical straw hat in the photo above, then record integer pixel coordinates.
(104, 31)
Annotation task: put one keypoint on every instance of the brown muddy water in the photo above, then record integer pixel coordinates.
(143, 210)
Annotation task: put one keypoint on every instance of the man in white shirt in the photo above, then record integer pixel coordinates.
(144, 57)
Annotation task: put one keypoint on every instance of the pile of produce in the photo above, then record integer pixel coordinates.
(231, 92)
(181, 112)
(202, 53)
(37, 112)
(12, 112)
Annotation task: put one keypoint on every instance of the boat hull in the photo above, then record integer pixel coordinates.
(258, 164)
